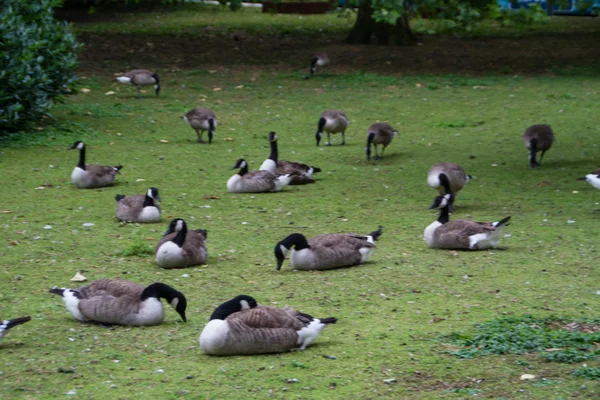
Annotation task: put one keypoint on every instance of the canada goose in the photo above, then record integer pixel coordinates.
(120, 302)
(447, 177)
(593, 179)
(538, 138)
(461, 234)
(139, 78)
(332, 121)
(318, 60)
(139, 208)
(89, 176)
(180, 247)
(326, 251)
(379, 133)
(5, 325)
(302, 173)
(241, 326)
(256, 181)
(201, 119)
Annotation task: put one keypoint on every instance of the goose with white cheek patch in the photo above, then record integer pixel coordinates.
(120, 302)
(201, 120)
(461, 234)
(180, 247)
(90, 176)
(5, 325)
(256, 181)
(139, 78)
(538, 138)
(302, 174)
(318, 60)
(241, 326)
(593, 179)
(326, 251)
(139, 208)
(447, 178)
(332, 121)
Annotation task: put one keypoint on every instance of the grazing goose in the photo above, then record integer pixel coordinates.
(332, 121)
(89, 176)
(538, 138)
(241, 326)
(139, 208)
(593, 179)
(201, 119)
(461, 234)
(139, 78)
(120, 302)
(5, 325)
(379, 133)
(256, 181)
(326, 251)
(180, 247)
(447, 177)
(318, 60)
(301, 173)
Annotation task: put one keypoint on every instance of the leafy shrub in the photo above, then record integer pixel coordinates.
(39, 59)
(587, 372)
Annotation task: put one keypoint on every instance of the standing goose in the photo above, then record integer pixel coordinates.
(447, 177)
(180, 247)
(89, 176)
(538, 138)
(318, 60)
(201, 119)
(593, 179)
(326, 251)
(256, 181)
(241, 326)
(139, 78)
(120, 302)
(139, 208)
(332, 121)
(379, 133)
(461, 234)
(301, 173)
(5, 325)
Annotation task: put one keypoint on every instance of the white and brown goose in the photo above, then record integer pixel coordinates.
(202, 120)
(379, 133)
(6, 325)
(180, 247)
(256, 181)
(538, 138)
(139, 208)
(241, 326)
(461, 234)
(326, 251)
(90, 176)
(302, 174)
(332, 121)
(447, 178)
(139, 78)
(318, 60)
(120, 302)
(593, 179)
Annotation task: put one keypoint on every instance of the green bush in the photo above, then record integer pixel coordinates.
(39, 58)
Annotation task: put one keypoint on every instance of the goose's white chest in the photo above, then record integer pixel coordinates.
(214, 336)
(429, 233)
(303, 259)
(79, 177)
(150, 313)
(149, 214)
(234, 184)
(169, 255)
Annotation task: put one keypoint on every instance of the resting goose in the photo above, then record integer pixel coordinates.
(326, 251)
(201, 119)
(89, 176)
(256, 181)
(538, 138)
(5, 325)
(301, 173)
(318, 60)
(332, 121)
(180, 247)
(139, 78)
(379, 133)
(461, 234)
(241, 326)
(593, 179)
(139, 208)
(120, 302)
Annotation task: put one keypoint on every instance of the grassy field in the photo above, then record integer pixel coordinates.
(393, 312)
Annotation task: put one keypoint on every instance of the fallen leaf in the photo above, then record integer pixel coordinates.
(239, 87)
(109, 93)
(140, 180)
(527, 377)
(6, 211)
(85, 90)
(14, 243)
(252, 282)
(164, 141)
(40, 188)
(554, 349)
(150, 239)
(78, 278)
(217, 89)
(228, 139)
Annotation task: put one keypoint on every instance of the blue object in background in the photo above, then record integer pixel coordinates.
(570, 10)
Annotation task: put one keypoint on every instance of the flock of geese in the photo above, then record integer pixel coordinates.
(241, 325)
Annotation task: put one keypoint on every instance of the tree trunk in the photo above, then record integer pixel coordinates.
(366, 27)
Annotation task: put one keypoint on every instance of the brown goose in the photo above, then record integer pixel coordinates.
(120, 302)
(318, 60)
(201, 119)
(447, 177)
(538, 138)
(301, 173)
(89, 176)
(139, 208)
(5, 325)
(256, 181)
(180, 247)
(139, 78)
(379, 133)
(332, 121)
(241, 326)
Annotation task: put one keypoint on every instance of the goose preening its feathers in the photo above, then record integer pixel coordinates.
(139, 78)
(180, 247)
(120, 302)
(5, 325)
(318, 60)
(89, 176)
(332, 121)
(201, 119)
(593, 179)
(326, 251)
(241, 326)
(379, 133)
(538, 138)
(256, 181)
(461, 234)
(139, 208)
(447, 178)
(301, 173)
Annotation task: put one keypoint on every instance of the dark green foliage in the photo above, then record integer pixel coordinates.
(39, 59)
(587, 372)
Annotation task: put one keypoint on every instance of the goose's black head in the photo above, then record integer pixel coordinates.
(162, 291)
(153, 193)
(272, 137)
(238, 303)
(242, 165)
(296, 240)
(442, 201)
(77, 145)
